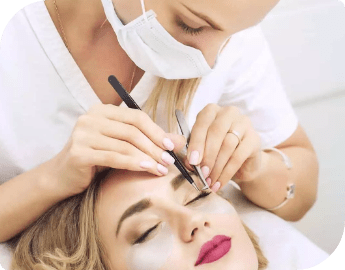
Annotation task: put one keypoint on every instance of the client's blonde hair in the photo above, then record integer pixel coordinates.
(66, 237)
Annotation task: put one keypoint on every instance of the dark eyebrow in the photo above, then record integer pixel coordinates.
(205, 18)
(144, 204)
(133, 209)
(178, 180)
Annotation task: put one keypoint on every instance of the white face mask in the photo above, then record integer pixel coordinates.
(153, 49)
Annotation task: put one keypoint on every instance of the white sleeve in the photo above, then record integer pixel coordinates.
(254, 86)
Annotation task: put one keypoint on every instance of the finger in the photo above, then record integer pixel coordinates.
(125, 148)
(240, 155)
(228, 147)
(199, 133)
(216, 135)
(138, 119)
(117, 160)
(134, 136)
(216, 187)
(178, 140)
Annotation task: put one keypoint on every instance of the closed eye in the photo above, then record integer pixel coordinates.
(145, 235)
(187, 29)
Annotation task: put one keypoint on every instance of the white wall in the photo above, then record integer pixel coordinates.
(307, 39)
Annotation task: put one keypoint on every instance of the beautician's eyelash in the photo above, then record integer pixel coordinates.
(187, 29)
(143, 237)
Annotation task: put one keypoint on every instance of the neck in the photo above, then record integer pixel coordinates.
(81, 19)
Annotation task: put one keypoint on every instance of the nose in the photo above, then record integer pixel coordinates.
(188, 223)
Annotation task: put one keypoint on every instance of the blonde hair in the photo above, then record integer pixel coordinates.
(176, 94)
(66, 237)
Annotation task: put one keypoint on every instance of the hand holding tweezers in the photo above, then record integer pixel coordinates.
(133, 105)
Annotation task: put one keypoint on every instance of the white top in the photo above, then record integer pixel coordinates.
(43, 91)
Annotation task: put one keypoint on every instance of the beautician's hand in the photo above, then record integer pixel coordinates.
(225, 145)
(111, 136)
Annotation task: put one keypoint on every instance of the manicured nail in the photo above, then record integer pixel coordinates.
(194, 157)
(146, 164)
(205, 171)
(208, 181)
(163, 170)
(168, 144)
(216, 186)
(167, 158)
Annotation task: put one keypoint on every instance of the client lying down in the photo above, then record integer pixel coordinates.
(135, 221)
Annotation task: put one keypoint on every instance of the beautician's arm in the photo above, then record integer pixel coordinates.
(24, 198)
(268, 188)
(106, 136)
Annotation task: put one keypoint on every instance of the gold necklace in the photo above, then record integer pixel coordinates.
(66, 42)
(61, 27)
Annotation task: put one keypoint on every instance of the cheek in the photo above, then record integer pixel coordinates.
(154, 253)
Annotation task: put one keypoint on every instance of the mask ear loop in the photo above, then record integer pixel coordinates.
(144, 11)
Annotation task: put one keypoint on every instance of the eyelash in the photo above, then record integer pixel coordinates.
(189, 30)
(143, 237)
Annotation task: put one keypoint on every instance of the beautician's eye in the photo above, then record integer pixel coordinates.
(144, 236)
(203, 194)
(187, 29)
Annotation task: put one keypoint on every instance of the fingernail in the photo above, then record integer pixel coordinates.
(216, 186)
(208, 181)
(146, 164)
(163, 170)
(205, 171)
(167, 158)
(194, 157)
(168, 144)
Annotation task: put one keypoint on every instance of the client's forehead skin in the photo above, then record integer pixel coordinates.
(124, 188)
(138, 181)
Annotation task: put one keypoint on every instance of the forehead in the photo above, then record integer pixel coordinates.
(123, 188)
(119, 181)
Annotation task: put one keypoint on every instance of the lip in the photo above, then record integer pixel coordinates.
(213, 250)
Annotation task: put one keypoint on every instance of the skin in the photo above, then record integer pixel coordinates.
(190, 227)
(100, 137)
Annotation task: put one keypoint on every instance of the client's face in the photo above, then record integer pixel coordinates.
(152, 223)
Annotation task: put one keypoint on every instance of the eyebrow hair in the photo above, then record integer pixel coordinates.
(133, 209)
(179, 179)
(205, 18)
(144, 204)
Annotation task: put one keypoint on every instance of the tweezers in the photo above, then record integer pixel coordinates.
(186, 132)
(133, 105)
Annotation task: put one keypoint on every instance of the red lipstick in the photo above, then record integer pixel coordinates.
(213, 250)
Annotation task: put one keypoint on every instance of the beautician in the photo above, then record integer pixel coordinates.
(62, 122)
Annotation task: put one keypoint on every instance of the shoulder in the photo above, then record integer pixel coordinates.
(244, 49)
(20, 27)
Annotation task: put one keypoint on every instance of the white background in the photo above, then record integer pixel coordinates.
(307, 39)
